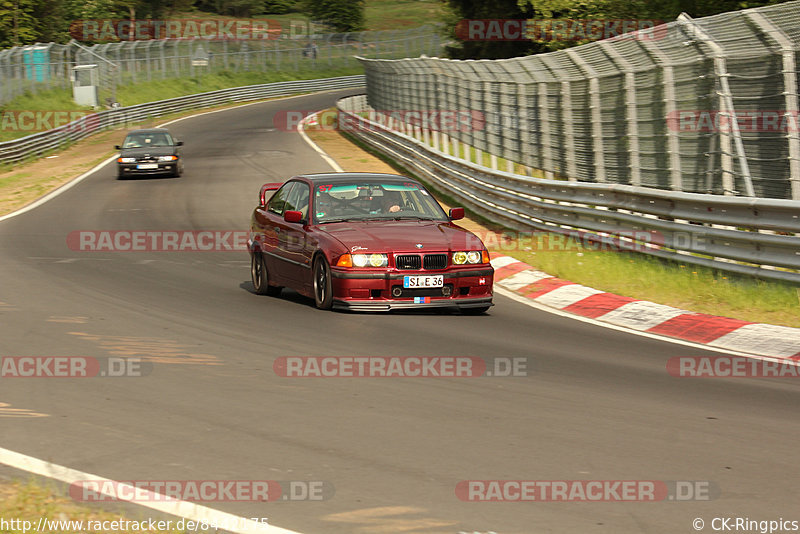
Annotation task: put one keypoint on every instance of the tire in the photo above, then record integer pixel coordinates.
(260, 276)
(323, 294)
(178, 171)
(475, 311)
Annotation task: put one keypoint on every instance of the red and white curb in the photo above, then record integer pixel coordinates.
(719, 332)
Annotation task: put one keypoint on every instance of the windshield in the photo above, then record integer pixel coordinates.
(374, 200)
(144, 140)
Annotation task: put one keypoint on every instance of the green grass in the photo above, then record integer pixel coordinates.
(378, 15)
(30, 501)
(396, 14)
(685, 286)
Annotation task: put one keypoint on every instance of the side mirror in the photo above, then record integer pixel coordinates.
(179, 143)
(118, 147)
(292, 216)
(456, 214)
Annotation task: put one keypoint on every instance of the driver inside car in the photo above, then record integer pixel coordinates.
(391, 202)
(324, 205)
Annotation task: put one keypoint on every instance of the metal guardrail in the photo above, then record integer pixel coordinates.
(752, 236)
(707, 105)
(37, 144)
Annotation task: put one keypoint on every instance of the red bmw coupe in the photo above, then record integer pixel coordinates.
(366, 242)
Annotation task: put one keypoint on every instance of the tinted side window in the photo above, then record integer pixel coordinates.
(298, 199)
(278, 201)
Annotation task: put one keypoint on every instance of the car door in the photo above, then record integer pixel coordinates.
(270, 220)
(292, 243)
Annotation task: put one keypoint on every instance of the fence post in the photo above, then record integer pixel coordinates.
(789, 95)
(673, 142)
(631, 118)
(726, 107)
(597, 115)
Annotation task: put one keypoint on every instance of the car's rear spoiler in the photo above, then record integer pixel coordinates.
(267, 192)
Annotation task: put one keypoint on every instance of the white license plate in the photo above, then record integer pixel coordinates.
(423, 281)
(147, 166)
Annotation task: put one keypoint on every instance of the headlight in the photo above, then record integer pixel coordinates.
(167, 158)
(471, 257)
(126, 160)
(372, 260)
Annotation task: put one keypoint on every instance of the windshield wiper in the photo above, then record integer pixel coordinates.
(326, 221)
(413, 218)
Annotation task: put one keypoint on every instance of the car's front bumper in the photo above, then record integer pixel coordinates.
(388, 305)
(131, 170)
(378, 290)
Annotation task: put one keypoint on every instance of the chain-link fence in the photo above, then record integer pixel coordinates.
(46, 66)
(698, 105)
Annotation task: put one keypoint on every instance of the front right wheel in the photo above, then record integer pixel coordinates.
(323, 294)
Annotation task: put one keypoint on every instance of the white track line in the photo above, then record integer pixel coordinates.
(188, 510)
(301, 130)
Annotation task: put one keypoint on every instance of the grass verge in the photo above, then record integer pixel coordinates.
(21, 502)
(689, 287)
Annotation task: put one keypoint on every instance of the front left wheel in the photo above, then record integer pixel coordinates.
(260, 276)
(323, 294)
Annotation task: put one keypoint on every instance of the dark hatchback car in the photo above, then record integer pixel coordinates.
(366, 242)
(148, 152)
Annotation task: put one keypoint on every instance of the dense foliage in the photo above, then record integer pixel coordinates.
(637, 10)
(29, 21)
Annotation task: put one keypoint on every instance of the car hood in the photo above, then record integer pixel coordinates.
(153, 151)
(402, 236)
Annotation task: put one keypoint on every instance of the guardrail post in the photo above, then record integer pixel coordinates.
(544, 122)
(569, 132)
(631, 118)
(792, 111)
(726, 108)
(523, 126)
(570, 160)
(597, 115)
(668, 87)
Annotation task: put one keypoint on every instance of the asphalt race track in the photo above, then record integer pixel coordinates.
(598, 404)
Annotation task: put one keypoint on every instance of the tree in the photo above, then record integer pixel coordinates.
(341, 15)
(18, 24)
(545, 10)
